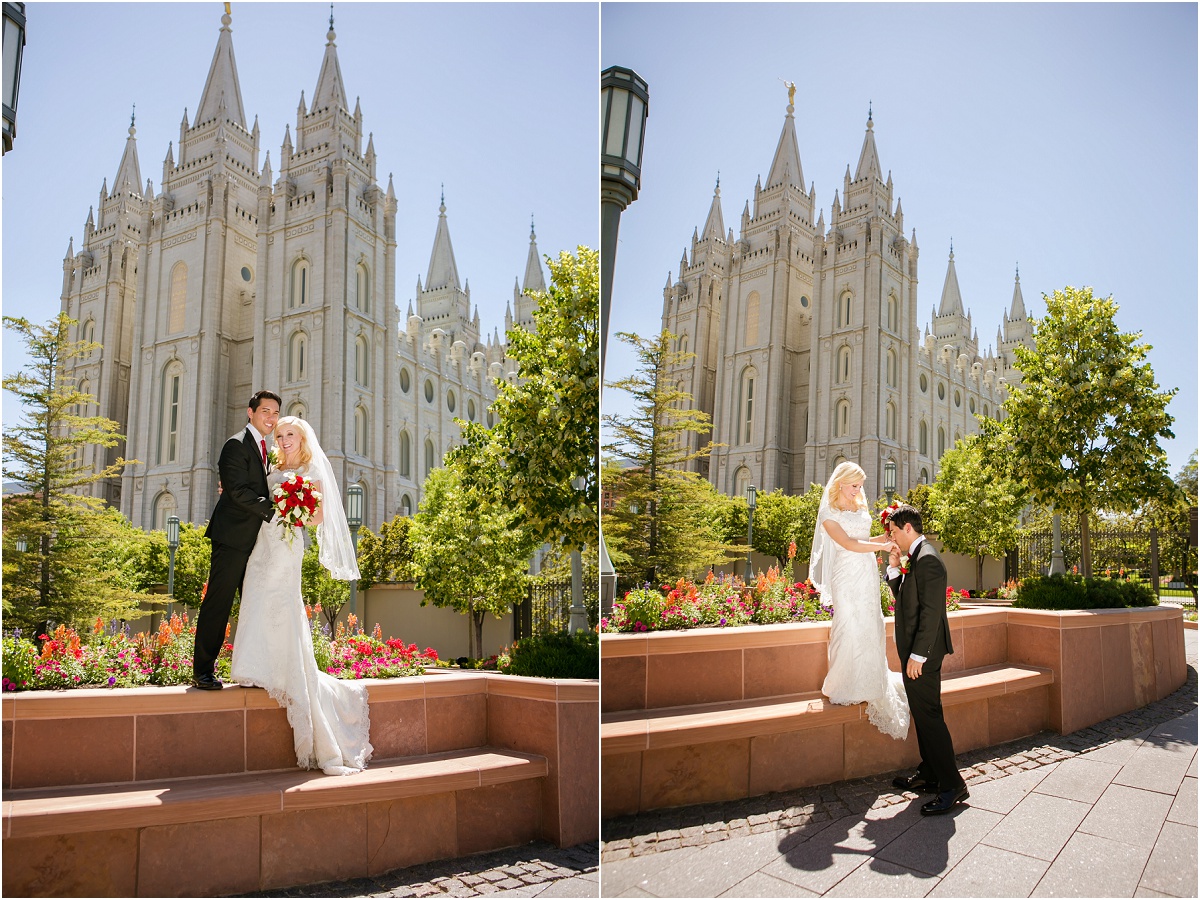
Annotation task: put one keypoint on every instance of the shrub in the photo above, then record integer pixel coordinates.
(641, 609)
(556, 655)
(18, 663)
(1060, 592)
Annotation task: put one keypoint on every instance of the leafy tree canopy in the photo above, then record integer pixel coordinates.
(547, 431)
(1082, 429)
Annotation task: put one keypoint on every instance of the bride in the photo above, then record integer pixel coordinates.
(273, 647)
(844, 569)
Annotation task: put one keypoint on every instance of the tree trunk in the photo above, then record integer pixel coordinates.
(978, 573)
(477, 622)
(1085, 546)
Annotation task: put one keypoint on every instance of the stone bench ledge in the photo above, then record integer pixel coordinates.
(63, 810)
(635, 730)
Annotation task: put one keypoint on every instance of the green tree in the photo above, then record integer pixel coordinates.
(547, 430)
(471, 551)
(780, 519)
(317, 586)
(45, 452)
(386, 557)
(660, 499)
(918, 497)
(1083, 428)
(150, 558)
(1186, 479)
(87, 569)
(690, 524)
(975, 506)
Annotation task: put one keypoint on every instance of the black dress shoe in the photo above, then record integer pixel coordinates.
(945, 802)
(208, 682)
(916, 783)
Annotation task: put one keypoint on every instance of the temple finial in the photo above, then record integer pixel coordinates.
(133, 116)
(331, 17)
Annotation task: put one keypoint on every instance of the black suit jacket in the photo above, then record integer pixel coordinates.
(244, 503)
(921, 623)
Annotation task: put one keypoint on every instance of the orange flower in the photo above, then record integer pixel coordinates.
(99, 626)
(792, 550)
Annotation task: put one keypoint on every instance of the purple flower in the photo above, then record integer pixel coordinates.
(722, 620)
(112, 679)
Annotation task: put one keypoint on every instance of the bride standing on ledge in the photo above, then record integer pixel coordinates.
(330, 718)
(843, 568)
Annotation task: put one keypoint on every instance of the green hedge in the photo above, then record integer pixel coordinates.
(556, 656)
(1076, 592)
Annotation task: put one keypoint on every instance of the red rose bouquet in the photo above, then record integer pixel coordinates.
(297, 500)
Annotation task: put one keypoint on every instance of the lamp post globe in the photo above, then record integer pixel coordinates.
(624, 103)
(889, 478)
(14, 49)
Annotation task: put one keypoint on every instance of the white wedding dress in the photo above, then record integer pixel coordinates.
(858, 669)
(273, 650)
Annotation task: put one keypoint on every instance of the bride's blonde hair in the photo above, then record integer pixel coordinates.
(303, 454)
(845, 473)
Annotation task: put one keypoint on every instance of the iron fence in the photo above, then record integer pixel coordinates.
(547, 605)
(1150, 554)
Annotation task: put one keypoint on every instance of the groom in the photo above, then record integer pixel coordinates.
(922, 640)
(244, 504)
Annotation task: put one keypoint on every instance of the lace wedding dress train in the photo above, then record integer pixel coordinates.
(273, 650)
(858, 669)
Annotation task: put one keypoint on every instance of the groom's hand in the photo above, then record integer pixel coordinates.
(894, 557)
(913, 669)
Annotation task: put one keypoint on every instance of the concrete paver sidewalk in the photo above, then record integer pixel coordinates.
(1115, 821)
(534, 870)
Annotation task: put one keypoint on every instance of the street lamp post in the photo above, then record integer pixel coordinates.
(22, 545)
(14, 48)
(578, 620)
(354, 518)
(889, 478)
(624, 102)
(751, 503)
(172, 546)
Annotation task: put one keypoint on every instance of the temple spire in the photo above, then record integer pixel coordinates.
(129, 173)
(443, 271)
(222, 89)
(714, 225)
(951, 304)
(330, 90)
(534, 279)
(786, 164)
(868, 158)
(1018, 300)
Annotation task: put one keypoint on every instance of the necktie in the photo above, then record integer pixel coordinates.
(264, 450)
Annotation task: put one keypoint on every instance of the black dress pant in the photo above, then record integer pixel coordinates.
(933, 737)
(226, 571)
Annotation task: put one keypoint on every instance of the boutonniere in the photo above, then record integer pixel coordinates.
(274, 457)
(903, 565)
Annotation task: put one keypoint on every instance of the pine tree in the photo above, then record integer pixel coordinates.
(44, 452)
(666, 521)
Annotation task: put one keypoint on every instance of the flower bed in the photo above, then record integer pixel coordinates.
(111, 657)
(724, 601)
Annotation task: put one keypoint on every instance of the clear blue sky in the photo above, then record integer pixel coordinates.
(1058, 136)
(496, 100)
